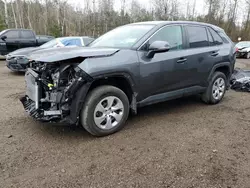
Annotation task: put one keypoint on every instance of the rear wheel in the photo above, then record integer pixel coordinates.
(105, 111)
(216, 89)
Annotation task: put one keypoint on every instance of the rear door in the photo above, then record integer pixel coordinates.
(28, 39)
(12, 40)
(202, 54)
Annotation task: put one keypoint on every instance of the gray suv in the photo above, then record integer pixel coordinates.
(129, 67)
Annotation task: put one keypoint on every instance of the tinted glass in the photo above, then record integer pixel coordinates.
(224, 37)
(216, 37)
(12, 34)
(210, 39)
(170, 34)
(197, 36)
(122, 37)
(27, 34)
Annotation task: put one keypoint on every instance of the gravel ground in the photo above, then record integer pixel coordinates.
(182, 143)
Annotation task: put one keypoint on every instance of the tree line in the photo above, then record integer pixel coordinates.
(95, 17)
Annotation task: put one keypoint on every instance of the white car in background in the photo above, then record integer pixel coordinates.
(17, 61)
(243, 49)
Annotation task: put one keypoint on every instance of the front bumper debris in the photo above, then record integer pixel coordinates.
(241, 54)
(38, 114)
(54, 105)
(32, 100)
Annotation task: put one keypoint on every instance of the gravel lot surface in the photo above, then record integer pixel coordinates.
(182, 143)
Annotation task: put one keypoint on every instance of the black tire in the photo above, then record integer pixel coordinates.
(92, 100)
(208, 97)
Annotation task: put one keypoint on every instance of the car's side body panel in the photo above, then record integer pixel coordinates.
(165, 76)
(122, 63)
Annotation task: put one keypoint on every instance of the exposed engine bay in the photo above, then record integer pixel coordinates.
(52, 88)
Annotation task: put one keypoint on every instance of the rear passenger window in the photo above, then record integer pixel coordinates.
(27, 34)
(197, 36)
(170, 34)
(12, 34)
(216, 37)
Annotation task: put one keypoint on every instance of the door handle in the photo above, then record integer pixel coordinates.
(214, 54)
(182, 60)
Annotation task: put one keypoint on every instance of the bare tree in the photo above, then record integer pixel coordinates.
(59, 18)
(14, 14)
(6, 13)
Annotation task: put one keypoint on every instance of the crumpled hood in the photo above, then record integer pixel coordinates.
(60, 54)
(24, 51)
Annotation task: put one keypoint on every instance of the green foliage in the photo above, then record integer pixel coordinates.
(55, 30)
(2, 24)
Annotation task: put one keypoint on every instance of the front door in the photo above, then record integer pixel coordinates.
(165, 71)
(12, 40)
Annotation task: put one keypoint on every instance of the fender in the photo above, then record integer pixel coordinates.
(122, 74)
(81, 94)
(224, 64)
(133, 86)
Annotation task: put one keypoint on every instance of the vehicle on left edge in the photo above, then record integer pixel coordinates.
(17, 61)
(13, 39)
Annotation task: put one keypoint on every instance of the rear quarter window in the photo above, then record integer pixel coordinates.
(217, 39)
(224, 37)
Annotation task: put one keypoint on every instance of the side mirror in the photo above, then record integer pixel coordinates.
(4, 37)
(158, 47)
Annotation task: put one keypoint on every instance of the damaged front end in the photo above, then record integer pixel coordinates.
(55, 91)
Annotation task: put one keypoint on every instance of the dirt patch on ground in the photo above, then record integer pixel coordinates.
(182, 143)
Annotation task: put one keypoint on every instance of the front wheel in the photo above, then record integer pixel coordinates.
(216, 89)
(105, 111)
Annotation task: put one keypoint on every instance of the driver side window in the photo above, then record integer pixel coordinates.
(170, 34)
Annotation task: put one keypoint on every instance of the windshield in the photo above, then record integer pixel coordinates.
(243, 44)
(50, 44)
(122, 37)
